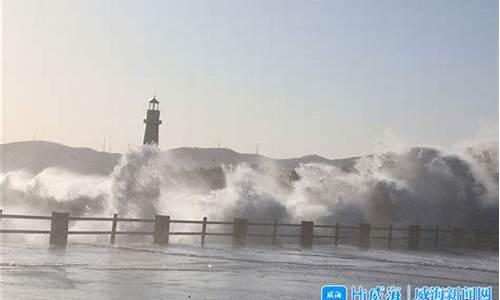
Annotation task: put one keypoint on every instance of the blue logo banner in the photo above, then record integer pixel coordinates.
(333, 292)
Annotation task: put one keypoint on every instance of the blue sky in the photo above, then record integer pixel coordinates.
(297, 77)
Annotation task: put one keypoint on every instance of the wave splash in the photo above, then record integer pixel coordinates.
(415, 185)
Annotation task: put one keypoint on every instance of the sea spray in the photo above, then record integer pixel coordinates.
(136, 183)
(248, 193)
(54, 189)
(414, 185)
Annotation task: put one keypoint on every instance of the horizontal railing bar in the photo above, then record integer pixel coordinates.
(287, 235)
(325, 226)
(185, 233)
(219, 223)
(90, 219)
(324, 236)
(380, 228)
(24, 231)
(118, 232)
(186, 221)
(9, 216)
(135, 232)
(348, 227)
(260, 234)
(89, 232)
(399, 229)
(135, 220)
(288, 225)
(220, 233)
(260, 224)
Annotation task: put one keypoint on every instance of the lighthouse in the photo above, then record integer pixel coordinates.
(152, 122)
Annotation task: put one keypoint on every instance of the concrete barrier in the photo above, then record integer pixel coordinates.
(337, 231)
(306, 234)
(457, 238)
(162, 229)
(364, 236)
(477, 234)
(413, 237)
(59, 229)
(389, 238)
(275, 232)
(436, 237)
(240, 232)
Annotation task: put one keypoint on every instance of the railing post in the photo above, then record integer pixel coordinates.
(203, 231)
(477, 233)
(457, 239)
(389, 245)
(364, 236)
(239, 232)
(337, 230)
(59, 229)
(413, 237)
(275, 232)
(306, 234)
(162, 229)
(436, 237)
(113, 228)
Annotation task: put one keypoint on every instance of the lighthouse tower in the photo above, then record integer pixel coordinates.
(152, 122)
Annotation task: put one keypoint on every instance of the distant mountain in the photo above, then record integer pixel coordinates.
(35, 156)
(208, 157)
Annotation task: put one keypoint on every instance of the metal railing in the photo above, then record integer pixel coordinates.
(309, 232)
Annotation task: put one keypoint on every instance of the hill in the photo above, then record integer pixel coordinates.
(35, 156)
(208, 157)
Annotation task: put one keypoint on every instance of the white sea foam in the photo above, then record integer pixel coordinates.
(409, 185)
